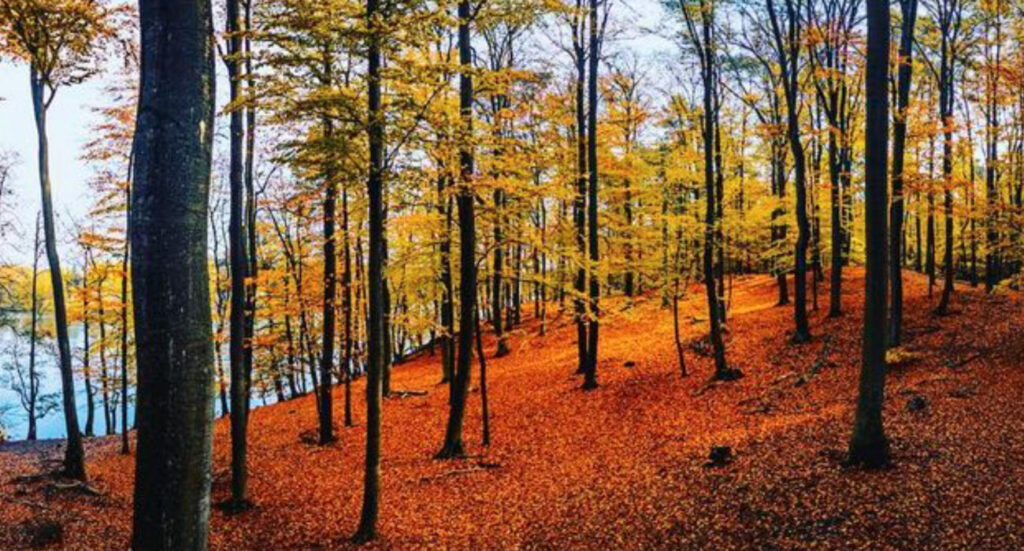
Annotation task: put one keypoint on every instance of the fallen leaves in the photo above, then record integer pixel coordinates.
(624, 467)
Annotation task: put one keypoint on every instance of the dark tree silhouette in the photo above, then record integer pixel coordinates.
(868, 445)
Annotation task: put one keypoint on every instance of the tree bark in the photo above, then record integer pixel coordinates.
(374, 328)
(74, 455)
(905, 74)
(170, 279)
(239, 267)
(868, 445)
(453, 446)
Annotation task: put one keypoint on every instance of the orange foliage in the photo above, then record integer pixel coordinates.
(625, 466)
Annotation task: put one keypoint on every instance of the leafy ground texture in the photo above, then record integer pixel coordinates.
(626, 466)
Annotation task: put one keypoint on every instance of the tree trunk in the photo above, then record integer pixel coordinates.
(453, 446)
(74, 455)
(590, 375)
(326, 413)
(125, 445)
(909, 12)
(90, 404)
(33, 378)
(580, 200)
(868, 445)
(170, 279)
(346, 288)
(239, 267)
(374, 330)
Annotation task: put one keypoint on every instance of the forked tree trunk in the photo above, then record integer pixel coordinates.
(453, 446)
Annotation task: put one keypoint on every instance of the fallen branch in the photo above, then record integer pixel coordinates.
(407, 393)
(963, 362)
(24, 502)
(77, 485)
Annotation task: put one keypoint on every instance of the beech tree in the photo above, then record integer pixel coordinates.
(905, 72)
(868, 445)
(786, 30)
(61, 41)
(239, 264)
(170, 279)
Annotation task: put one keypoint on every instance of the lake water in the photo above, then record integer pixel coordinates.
(15, 419)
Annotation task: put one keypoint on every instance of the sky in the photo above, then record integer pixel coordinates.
(71, 117)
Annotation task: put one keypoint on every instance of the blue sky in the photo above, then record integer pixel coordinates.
(69, 122)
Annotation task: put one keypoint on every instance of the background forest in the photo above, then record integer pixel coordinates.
(440, 187)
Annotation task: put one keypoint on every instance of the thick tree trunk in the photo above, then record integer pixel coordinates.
(868, 445)
(170, 279)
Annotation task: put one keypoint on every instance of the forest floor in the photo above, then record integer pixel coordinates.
(626, 466)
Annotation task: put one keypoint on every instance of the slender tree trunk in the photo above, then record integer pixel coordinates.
(947, 95)
(447, 286)
(375, 280)
(74, 455)
(835, 307)
(499, 268)
(239, 267)
(485, 413)
(905, 73)
(788, 48)
(251, 206)
(33, 377)
(170, 279)
(346, 288)
(580, 200)
(86, 347)
(330, 278)
(453, 446)
(125, 445)
(590, 375)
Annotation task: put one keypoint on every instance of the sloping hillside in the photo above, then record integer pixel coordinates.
(626, 466)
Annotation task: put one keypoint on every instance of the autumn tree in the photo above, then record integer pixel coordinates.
(375, 21)
(60, 41)
(699, 18)
(786, 28)
(465, 199)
